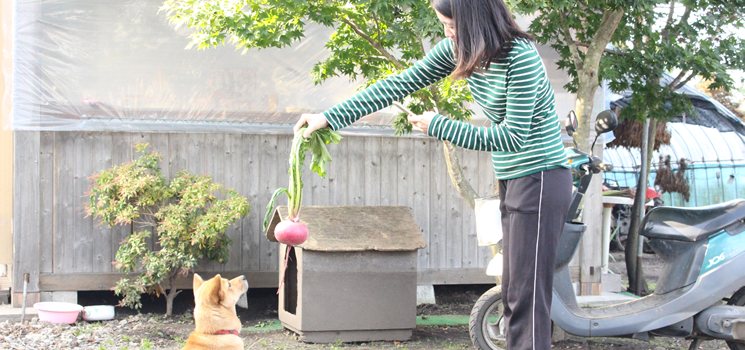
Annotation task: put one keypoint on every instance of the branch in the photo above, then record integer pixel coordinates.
(670, 14)
(602, 37)
(683, 20)
(374, 43)
(677, 80)
(571, 43)
(615, 52)
(685, 81)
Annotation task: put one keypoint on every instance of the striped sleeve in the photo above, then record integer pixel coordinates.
(437, 64)
(509, 135)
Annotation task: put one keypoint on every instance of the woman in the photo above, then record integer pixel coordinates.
(508, 80)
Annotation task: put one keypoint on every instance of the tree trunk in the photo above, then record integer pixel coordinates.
(587, 74)
(172, 293)
(588, 85)
(456, 175)
(637, 281)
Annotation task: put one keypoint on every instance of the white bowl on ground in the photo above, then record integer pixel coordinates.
(98, 313)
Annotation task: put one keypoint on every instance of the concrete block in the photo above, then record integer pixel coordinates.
(612, 283)
(3, 270)
(64, 297)
(425, 294)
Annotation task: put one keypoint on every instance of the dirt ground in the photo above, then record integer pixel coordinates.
(149, 329)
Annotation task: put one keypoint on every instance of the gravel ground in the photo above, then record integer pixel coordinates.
(150, 329)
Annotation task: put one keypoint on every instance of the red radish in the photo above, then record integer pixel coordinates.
(291, 232)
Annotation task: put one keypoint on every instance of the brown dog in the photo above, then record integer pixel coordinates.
(217, 325)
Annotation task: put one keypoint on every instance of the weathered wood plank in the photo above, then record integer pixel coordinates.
(438, 212)
(232, 178)
(251, 179)
(269, 153)
(256, 279)
(318, 186)
(83, 227)
(141, 138)
(46, 191)
(338, 177)
(64, 208)
(178, 145)
(159, 143)
(195, 154)
(105, 281)
(421, 187)
(214, 166)
(372, 167)
(26, 212)
(121, 153)
(405, 178)
(103, 144)
(356, 171)
(389, 171)
(454, 225)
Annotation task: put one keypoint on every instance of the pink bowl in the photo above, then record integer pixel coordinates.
(58, 312)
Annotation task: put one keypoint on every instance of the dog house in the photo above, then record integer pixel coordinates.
(355, 277)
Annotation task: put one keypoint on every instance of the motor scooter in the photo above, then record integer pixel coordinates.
(699, 295)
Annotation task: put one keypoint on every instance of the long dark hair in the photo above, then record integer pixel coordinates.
(484, 31)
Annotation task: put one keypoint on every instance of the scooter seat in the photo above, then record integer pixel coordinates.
(691, 224)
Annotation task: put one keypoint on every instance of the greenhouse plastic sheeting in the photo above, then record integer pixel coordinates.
(119, 65)
(716, 164)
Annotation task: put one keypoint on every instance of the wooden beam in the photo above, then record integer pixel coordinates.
(256, 279)
(454, 276)
(106, 281)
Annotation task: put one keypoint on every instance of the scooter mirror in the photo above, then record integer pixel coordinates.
(571, 123)
(606, 121)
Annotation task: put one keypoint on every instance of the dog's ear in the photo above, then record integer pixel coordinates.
(216, 292)
(198, 281)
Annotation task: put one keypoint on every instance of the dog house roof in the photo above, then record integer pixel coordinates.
(355, 228)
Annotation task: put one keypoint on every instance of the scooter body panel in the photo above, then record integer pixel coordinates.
(645, 314)
(723, 247)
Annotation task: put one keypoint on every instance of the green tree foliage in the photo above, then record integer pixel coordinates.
(687, 38)
(649, 38)
(579, 30)
(188, 219)
(371, 40)
(690, 38)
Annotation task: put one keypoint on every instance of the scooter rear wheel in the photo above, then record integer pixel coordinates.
(737, 299)
(486, 325)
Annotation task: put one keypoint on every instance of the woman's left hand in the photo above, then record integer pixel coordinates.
(421, 122)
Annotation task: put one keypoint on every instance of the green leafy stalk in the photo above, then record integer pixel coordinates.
(316, 143)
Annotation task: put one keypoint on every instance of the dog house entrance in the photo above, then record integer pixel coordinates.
(291, 283)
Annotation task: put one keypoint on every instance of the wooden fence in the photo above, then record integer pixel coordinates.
(64, 250)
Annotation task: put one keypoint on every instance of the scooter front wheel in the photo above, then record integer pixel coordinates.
(486, 325)
(737, 299)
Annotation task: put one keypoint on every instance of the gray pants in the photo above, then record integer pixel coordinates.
(533, 211)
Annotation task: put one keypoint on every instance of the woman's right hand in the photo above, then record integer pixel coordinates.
(314, 121)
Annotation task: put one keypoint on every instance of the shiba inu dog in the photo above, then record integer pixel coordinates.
(217, 325)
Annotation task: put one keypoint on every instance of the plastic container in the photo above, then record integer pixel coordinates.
(98, 313)
(488, 220)
(58, 312)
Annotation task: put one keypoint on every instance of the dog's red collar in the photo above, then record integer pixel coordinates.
(228, 331)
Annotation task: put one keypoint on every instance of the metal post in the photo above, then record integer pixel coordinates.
(25, 289)
(643, 201)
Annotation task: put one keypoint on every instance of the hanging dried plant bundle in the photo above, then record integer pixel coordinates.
(629, 134)
(673, 181)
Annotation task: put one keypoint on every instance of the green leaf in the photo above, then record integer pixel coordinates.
(270, 206)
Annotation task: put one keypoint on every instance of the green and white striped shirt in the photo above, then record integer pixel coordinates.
(515, 94)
